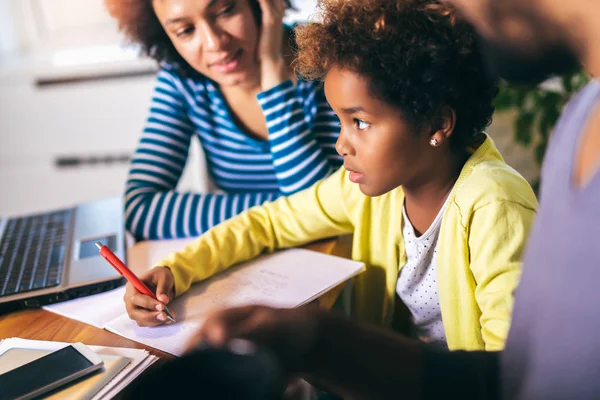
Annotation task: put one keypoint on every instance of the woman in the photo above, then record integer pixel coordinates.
(225, 78)
(436, 215)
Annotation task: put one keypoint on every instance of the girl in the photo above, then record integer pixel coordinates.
(225, 79)
(438, 217)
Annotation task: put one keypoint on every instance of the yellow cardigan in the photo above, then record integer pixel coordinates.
(483, 233)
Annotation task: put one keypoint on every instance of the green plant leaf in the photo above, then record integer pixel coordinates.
(521, 97)
(523, 127)
(504, 100)
(552, 100)
(567, 82)
(545, 125)
(535, 185)
(538, 110)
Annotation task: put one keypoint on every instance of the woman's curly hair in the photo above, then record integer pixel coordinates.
(137, 20)
(416, 55)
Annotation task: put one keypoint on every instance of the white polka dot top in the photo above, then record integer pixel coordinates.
(417, 283)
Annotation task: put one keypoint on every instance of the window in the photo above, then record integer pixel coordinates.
(69, 23)
(306, 9)
(51, 25)
(60, 16)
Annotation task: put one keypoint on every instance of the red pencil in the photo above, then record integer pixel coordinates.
(128, 274)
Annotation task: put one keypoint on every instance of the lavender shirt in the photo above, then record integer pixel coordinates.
(553, 349)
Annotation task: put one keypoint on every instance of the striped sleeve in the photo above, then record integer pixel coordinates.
(158, 161)
(153, 209)
(302, 134)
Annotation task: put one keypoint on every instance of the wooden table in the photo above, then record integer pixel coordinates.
(39, 324)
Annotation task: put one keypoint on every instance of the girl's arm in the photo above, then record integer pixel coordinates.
(302, 133)
(316, 213)
(497, 238)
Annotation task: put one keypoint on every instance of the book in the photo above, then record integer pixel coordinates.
(286, 278)
(121, 366)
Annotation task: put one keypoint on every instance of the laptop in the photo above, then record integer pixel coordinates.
(50, 257)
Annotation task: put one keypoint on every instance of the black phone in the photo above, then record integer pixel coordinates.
(49, 372)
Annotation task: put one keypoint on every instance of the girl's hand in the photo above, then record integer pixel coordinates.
(274, 69)
(144, 309)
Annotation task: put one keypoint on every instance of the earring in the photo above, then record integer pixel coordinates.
(434, 142)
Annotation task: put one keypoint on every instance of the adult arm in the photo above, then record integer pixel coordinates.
(153, 208)
(302, 134)
(354, 360)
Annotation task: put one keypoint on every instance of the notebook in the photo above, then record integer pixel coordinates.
(286, 278)
(121, 366)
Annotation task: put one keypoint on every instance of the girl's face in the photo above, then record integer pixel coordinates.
(381, 149)
(218, 38)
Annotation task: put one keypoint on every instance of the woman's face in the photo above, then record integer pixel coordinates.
(382, 150)
(218, 38)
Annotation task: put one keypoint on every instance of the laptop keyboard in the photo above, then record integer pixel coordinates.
(32, 252)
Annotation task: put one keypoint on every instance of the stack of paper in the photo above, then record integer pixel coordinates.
(287, 278)
(139, 360)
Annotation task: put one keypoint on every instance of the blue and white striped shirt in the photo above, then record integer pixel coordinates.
(299, 151)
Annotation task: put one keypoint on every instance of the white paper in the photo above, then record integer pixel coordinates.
(96, 310)
(172, 338)
(126, 376)
(140, 360)
(288, 278)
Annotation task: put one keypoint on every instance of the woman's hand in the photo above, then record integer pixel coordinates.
(290, 333)
(274, 69)
(144, 309)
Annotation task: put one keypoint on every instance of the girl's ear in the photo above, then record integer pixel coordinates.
(443, 126)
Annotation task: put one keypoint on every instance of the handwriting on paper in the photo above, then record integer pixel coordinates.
(237, 287)
(287, 278)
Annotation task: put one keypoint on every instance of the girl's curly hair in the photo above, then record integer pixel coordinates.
(416, 55)
(137, 20)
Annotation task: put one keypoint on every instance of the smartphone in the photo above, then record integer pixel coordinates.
(49, 372)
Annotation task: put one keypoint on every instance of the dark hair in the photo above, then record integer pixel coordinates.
(138, 21)
(415, 54)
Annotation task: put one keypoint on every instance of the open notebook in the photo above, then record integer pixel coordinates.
(287, 278)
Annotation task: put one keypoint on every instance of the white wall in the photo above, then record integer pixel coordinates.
(10, 39)
(90, 119)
